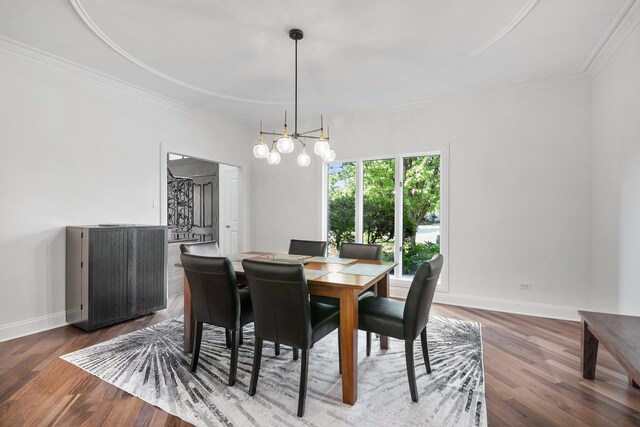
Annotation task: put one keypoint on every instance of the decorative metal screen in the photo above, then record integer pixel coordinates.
(180, 204)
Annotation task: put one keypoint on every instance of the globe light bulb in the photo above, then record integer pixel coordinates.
(274, 157)
(303, 159)
(285, 144)
(321, 146)
(260, 150)
(329, 155)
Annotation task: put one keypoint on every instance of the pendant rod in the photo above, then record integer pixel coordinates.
(295, 119)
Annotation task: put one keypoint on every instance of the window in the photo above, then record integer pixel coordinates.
(395, 202)
(378, 205)
(341, 205)
(420, 211)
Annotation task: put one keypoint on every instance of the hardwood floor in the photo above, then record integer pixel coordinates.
(532, 376)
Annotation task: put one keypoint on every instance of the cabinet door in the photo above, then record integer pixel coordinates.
(150, 276)
(108, 276)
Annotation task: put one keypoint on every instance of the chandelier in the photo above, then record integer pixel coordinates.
(285, 142)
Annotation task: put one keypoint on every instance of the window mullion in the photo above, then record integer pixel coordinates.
(359, 203)
(397, 241)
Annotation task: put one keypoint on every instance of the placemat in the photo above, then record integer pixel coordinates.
(240, 257)
(296, 259)
(365, 269)
(314, 274)
(331, 260)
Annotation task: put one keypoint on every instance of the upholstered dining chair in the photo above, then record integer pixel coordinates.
(304, 247)
(404, 320)
(360, 251)
(217, 300)
(355, 251)
(201, 248)
(283, 313)
(209, 249)
(307, 247)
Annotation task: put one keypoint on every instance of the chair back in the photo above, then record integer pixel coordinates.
(214, 290)
(420, 297)
(210, 249)
(280, 300)
(307, 247)
(360, 251)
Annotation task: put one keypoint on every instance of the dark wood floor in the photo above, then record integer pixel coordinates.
(531, 365)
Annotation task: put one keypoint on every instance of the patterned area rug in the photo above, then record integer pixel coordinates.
(150, 364)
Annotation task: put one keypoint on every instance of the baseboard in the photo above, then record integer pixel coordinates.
(497, 304)
(32, 326)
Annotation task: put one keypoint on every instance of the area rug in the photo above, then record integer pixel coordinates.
(151, 365)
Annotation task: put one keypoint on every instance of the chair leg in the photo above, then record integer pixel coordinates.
(295, 353)
(339, 351)
(227, 337)
(277, 349)
(425, 349)
(196, 346)
(257, 356)
(235, 343)
(411, 373)
(241, 337)
(368, 343)
(302, 396)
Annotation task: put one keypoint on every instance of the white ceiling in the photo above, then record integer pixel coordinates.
(234, 59)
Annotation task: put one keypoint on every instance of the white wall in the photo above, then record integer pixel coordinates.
(75, 151)
(285, 202)
(616, 182)
(520, 193)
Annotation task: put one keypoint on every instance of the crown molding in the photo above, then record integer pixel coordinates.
(38, 56)
(84, 15)
(623, 25)
(468, 95)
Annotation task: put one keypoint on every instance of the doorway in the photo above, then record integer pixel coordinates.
(229, 220)
(202, 205)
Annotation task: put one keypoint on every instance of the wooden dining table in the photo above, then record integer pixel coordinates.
(343, 279)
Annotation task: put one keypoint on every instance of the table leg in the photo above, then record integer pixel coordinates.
(349, 344)
(189, 320)
(589, 356)
(383, 291)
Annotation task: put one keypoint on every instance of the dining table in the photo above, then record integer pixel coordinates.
(340, 278)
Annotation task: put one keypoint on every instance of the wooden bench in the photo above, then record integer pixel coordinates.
(619, 334)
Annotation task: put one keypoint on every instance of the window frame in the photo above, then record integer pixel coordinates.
(397, 279)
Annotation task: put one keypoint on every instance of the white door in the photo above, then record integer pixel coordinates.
(229, 239)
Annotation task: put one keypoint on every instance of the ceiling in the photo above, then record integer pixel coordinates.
(234, 59)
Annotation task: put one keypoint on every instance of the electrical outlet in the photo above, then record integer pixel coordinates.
(154, 204)
(524, 286)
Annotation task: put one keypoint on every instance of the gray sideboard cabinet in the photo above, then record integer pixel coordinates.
(114, 273)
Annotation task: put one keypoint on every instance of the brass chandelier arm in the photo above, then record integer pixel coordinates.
(306, 136)
(310, 131)
(294, 135)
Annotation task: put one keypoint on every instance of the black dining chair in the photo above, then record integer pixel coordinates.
(201, 248)
(208, 249)
(404, 320)
(307, 247)
(360, 251)
(216, 300)
(304, 247)
(283, 313)
(355, 251)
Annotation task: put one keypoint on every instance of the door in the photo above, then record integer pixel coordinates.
(229, 236)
